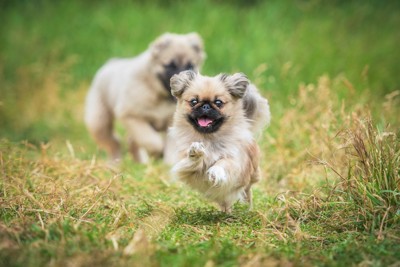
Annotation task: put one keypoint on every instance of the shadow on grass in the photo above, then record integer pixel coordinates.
(210, 216)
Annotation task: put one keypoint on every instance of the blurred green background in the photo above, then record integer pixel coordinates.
(50, 50)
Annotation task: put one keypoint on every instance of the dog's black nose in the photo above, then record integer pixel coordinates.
(206, 107)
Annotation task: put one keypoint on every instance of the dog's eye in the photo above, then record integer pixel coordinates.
(193, 102)
(218, 103)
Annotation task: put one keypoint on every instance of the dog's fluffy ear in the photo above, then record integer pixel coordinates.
(161, 43)
(237, 84)
(180, 82)
(197, 43)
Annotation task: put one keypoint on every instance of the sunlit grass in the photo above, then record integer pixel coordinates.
(373, 179)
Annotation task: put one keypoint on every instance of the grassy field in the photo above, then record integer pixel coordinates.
(330, 194)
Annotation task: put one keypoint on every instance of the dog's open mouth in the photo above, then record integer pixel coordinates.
(204, 121)
(206, 124)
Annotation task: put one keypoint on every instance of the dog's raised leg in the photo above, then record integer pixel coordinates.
(192, 163)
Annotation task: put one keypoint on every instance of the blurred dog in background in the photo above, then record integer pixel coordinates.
(137, 92)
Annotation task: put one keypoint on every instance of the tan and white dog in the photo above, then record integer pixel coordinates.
(136, 91)
(214, 124)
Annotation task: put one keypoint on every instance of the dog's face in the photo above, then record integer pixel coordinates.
(207, 103)
(173, 53)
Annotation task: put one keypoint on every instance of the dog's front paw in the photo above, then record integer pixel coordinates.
(217, 175)
(196, 150)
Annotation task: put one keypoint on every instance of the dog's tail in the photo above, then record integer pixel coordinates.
(257, 109)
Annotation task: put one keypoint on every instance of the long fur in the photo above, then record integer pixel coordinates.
(232, 148)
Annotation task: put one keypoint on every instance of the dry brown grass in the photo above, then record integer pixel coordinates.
(321, 145)
(305, 131)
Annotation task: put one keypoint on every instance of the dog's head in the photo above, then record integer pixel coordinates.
(207, 103)
(173, 53)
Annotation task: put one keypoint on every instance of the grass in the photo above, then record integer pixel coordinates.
(373, 178)
(330, 191)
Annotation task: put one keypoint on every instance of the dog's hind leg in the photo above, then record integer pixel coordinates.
(255, 177)
(142, 136)
(99, 122)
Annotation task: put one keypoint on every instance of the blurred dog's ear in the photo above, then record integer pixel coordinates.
(237, 84)
(197, 44)
(160, 44)
(180, 82)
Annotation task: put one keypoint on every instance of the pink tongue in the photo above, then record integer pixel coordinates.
(204, 122)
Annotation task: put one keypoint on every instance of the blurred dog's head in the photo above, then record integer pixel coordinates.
(209, 103)
(173, 53)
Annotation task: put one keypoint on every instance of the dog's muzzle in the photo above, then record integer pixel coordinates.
(205, 119)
